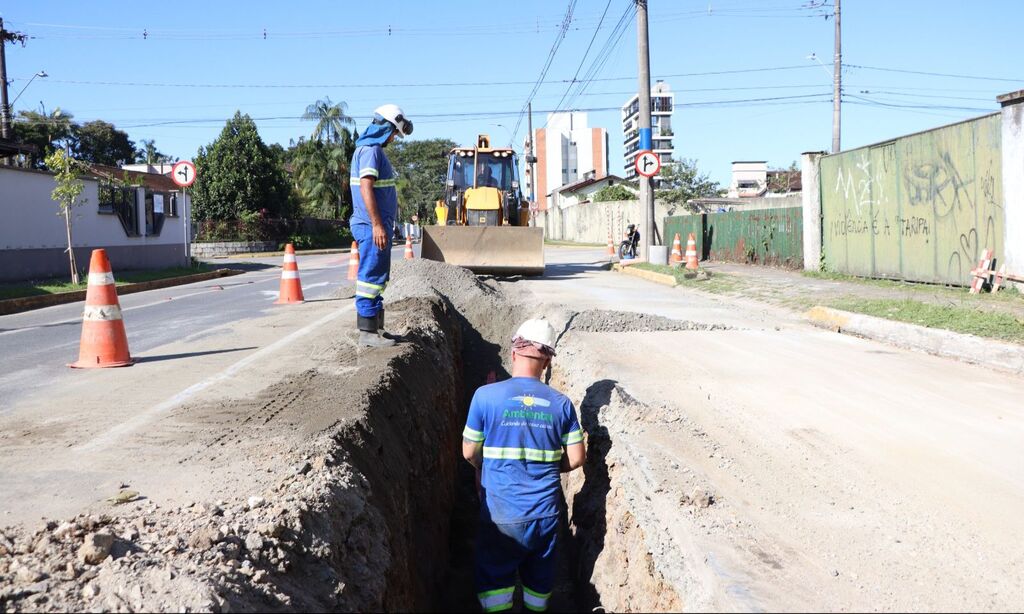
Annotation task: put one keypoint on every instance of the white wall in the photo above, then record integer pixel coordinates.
(32, 239)
(591, 222)
(1013, 181)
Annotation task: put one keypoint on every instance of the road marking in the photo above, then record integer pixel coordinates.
(114, 434)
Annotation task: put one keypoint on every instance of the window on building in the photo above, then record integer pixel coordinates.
(122, 202)
(155, 207)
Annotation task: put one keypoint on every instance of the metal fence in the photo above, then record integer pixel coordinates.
(921, 207)
(765, 236)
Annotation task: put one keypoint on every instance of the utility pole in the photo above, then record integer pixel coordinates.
(5, 110)
(837, 83)
(530, 161)
(643, 54)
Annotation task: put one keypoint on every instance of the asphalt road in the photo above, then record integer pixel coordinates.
(36, 346)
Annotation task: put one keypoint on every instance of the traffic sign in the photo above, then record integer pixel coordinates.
(648, 163)
(184, 173)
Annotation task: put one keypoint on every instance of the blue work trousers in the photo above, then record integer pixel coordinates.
(504, 549)
(374, 271)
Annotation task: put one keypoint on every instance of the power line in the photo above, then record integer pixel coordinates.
(930, 74)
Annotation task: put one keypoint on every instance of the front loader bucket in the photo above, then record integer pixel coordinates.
(487, 250)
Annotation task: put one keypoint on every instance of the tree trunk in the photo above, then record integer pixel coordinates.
(71, 249)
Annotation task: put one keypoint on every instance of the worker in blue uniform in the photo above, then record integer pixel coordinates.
(374, 210)
(520, 435)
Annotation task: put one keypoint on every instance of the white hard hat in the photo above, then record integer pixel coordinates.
(393, 113)
(537, 331)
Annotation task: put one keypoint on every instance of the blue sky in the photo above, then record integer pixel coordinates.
(460, 67)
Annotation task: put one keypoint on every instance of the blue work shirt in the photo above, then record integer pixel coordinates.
(370, 161)
(523, 425)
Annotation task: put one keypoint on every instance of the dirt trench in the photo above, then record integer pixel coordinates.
(374, 508)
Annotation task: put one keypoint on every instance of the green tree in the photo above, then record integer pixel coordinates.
(46, 131)
(421, 167)
(238, 175)
(682, 181)
(331, 120)
(99, 142)
(149, 154)
(614, 192)
(66, 194)
(321, 173)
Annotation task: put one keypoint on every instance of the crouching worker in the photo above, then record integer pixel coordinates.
(520, 435)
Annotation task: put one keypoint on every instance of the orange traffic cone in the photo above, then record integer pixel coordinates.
(291, 285)
(353, 262)
(611, 246)
(691, 253)
(104, 342)
(677, 250)
(408, 248)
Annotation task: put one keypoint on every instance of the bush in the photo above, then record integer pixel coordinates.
(252, 228)
(339, 237)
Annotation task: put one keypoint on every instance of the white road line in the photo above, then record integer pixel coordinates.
(113, 435)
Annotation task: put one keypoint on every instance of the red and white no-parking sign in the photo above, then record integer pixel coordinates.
(648, 163)
(183, 174)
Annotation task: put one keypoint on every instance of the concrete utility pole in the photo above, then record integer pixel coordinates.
(531, 160)
(643, 54)
(5, 109)
(837, 84)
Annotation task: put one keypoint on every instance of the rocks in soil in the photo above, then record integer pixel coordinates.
(96, 547)
(698, 497)
(605, 321)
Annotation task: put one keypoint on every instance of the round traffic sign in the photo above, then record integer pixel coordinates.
(648, 163)
(184, 173)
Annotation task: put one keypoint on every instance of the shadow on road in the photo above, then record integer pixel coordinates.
(188, 354)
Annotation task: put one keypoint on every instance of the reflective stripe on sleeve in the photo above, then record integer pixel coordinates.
(101, 279)
(573, 438)
(530, 454)
(101, 313)
(380, 183)
(472, 435)
(369, 171)
(496, 600)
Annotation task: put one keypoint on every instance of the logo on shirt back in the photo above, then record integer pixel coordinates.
(525, 411)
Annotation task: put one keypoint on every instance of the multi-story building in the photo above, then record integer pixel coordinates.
(662, 103)
(567, 150)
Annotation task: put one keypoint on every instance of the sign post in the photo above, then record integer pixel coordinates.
(183, 174)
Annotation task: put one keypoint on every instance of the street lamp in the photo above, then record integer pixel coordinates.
(837, 96)
(41, 73)
(814, 58)
(510, 137)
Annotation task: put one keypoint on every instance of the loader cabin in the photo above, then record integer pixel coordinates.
(472, 168)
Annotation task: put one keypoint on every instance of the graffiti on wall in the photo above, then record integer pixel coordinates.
(922, 207)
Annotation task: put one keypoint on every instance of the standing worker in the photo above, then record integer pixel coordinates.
(375, 207)
(520, 434)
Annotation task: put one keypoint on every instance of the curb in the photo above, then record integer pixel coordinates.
(28, 303)
(968, 348)
(310, 252)
(658, 278)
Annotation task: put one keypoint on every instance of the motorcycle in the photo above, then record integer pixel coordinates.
(627, 249)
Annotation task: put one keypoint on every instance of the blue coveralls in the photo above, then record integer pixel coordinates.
(523, 425)
(374, 264)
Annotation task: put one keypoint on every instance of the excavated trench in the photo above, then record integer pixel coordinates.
(379, 510)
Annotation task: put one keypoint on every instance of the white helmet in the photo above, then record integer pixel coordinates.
(393, 113)
(537, 331)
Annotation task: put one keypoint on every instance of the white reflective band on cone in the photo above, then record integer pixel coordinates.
(101, 313)
(289, 274)
(289, 257)
(101, 279)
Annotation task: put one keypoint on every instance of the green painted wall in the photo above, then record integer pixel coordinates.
(767, 236)
(921, 207)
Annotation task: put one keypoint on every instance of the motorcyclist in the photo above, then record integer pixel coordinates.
(633, 237)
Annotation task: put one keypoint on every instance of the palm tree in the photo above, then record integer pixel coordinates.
(330, 120)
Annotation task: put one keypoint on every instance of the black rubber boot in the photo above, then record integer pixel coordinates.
(369, 334)
(380, 325)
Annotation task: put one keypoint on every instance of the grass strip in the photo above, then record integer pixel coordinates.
(972, 321)
(57, 286)
(719, 283)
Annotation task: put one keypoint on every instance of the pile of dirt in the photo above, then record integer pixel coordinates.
(604, 321)
(355, 520)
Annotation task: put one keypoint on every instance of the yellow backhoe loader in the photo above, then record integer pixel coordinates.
(482, 221)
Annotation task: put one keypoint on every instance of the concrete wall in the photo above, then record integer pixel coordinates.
(1012, 117)
(811, 204)
(591, 222)
(921, 207)
(33, 243)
